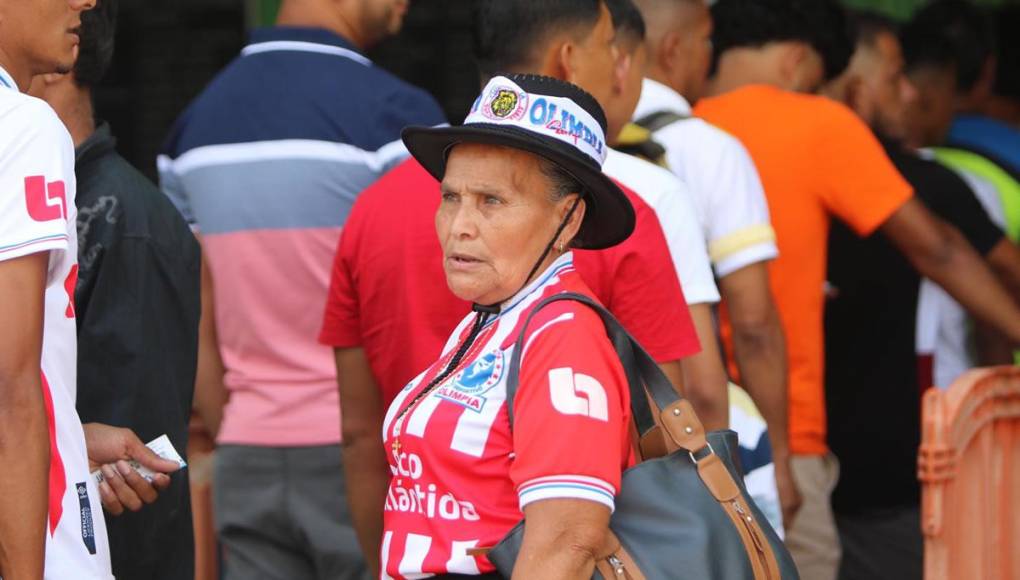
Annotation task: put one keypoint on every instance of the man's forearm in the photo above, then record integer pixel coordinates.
(210, 392)
(759, 346)
(759, 349)
(1004, 258)
(367, 478)
(24, 434)
(992, 349)
(707, 391)
(704, 375)
(965, 276)
(25, 451)
(760, 354)
(210, 399)
(366, 469)
(938, 251)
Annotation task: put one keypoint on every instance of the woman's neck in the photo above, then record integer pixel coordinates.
(530, 284)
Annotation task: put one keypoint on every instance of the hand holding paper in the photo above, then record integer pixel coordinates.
(128, 473)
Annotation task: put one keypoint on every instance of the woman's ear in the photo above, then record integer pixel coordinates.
(574, 224)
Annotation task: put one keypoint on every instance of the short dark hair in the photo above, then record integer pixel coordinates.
(948, 32)
(923, 50)
(627, 20)
(755, 23)
(507, 31)
(95, 52)
(865, 26)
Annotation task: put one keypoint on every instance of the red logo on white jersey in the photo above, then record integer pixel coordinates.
(45, 201)
(69, 283)
(577, 394)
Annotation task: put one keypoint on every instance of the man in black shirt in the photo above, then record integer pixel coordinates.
(137, 302)
(873, 384)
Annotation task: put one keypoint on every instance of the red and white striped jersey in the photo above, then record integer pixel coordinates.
(461, 478)
(37, 214)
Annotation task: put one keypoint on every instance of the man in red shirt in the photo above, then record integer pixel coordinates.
(389, 309)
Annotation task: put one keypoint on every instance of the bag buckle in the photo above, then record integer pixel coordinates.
(708, 446)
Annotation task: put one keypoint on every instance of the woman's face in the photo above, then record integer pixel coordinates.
(495, 218)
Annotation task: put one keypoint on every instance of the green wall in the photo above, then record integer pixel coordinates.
(263, 12)
(902, 9)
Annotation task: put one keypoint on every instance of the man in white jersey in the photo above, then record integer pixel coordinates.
(704, 375)
(732, 209)
(673, 204)
(46, 490)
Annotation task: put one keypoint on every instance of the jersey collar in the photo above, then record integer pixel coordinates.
(656, 97)
(298, 39)
(7, 81)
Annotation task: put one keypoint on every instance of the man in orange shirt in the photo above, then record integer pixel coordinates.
(817, 159)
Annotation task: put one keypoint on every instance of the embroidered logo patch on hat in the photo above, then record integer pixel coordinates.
(506, 104)
(503, 102)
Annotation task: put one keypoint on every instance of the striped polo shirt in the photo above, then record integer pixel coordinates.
(266, 164)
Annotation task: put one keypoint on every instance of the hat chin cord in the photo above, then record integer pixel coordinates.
(485, 312)
(495, 308)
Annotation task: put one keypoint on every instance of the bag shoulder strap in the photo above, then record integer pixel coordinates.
(680, 423)
(639, 142)
(659, 119)
(642, 372)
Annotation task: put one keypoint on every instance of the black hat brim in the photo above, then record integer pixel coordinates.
(609, 215)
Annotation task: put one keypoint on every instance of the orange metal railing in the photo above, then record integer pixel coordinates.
(969, 466)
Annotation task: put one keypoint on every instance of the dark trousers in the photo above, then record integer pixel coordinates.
(882, 544)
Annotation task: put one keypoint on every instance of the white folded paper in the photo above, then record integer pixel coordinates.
(160, 446)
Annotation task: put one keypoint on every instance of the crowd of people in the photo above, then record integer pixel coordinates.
(807, 215)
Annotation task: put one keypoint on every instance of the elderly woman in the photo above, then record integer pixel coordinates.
(521, 185)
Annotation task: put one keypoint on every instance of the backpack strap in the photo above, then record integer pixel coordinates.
(659, 119)
(643, 375)
(637, 141)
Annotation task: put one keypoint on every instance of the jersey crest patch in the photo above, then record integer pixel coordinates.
(468, 386)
